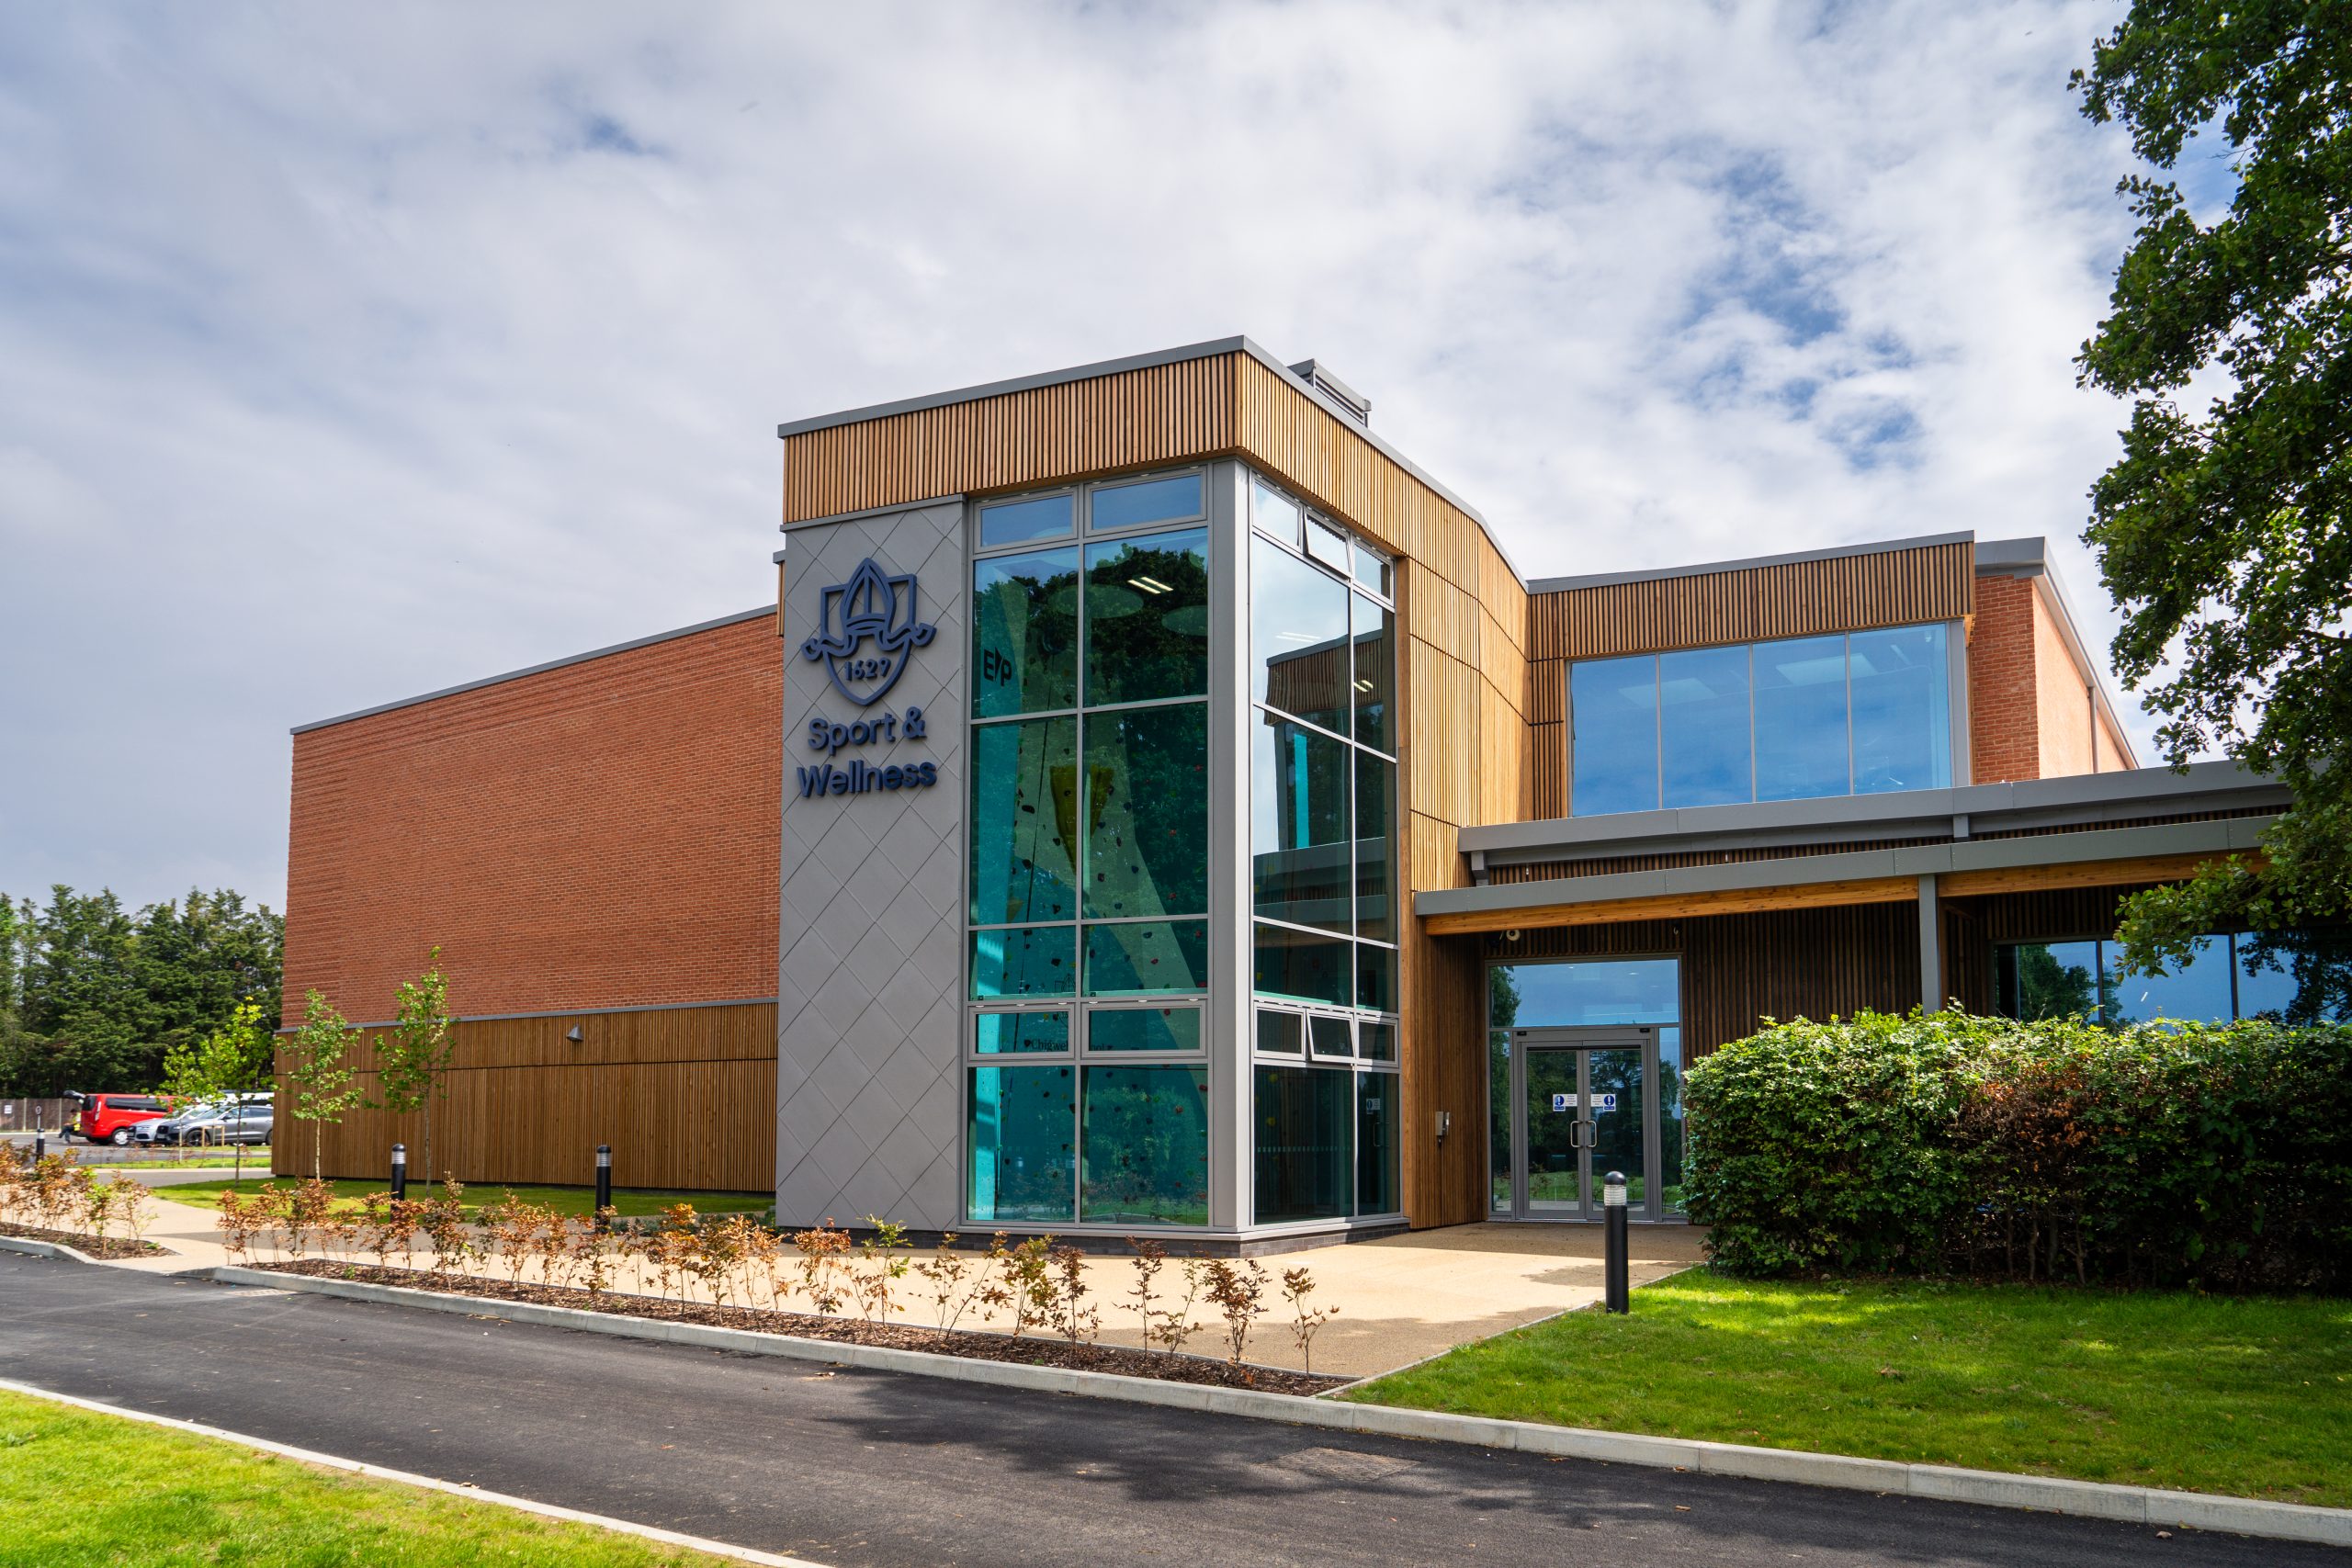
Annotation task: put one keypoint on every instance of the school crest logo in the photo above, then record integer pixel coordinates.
(867, 630)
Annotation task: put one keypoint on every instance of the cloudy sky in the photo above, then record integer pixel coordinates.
(350, 352)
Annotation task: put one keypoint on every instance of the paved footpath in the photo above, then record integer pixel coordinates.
(870, 1468)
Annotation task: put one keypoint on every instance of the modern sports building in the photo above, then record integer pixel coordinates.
(1154, 806)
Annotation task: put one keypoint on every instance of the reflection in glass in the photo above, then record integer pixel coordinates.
(1800, 748)
(1298, 823)
(1280, 1031)
(1020, 1160)
(2195, 992)
(1147, 811)
(1582, 991)
(1669, 1118)
(1375, 977)
(1329, 546)
(2048, 979)
(1375, 818)
(1274, 513)
(1025, 632)
(1376, 1096)
(1145, 500)
(1613, 703)
(1301, 965)
(1301, 1120)
(1498, 1119)
(1371, 570)
(1298, 637)
(1013, 1033)
(1024, 827)
(2295, 976)
(1702, 727)
(1133, 956)
(1329, 1037)
(1143, 1029)
(1374, 680)
(1901, 697)
(1377, 1042)
(1146, 617)
(1031, 961)
(1146, 1132)
(1017, 521)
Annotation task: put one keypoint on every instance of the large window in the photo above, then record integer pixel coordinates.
(2288, 977)
(1089, 891)
(1859, 713)
(1322, 769)
(1324, 1081)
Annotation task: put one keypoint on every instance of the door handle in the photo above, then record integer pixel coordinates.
(1581, 1135)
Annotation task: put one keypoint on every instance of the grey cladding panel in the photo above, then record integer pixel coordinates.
(869, 974)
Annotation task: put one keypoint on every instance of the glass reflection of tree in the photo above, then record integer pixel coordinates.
(2320, 962)
(1502, 1011)
(2050, 988)
(1147, 623)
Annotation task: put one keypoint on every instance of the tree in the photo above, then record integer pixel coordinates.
(101, 994)
(319, 1073)
(233, 1060)
(411, 1060)
(2224, 535)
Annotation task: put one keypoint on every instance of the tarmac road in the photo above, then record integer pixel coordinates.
(872, 1467)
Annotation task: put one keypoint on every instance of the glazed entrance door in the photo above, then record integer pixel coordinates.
(1581, 1109)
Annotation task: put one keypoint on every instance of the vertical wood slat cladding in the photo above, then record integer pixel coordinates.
(685, 1096)
(1131, 418)
(1884, 588)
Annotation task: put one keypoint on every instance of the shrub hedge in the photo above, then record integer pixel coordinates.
(2213, 1156)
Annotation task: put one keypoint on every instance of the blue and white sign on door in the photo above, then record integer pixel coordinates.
(1563, 1101)
(1604, 1102)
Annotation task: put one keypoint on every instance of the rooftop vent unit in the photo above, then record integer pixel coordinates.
(1316, 374)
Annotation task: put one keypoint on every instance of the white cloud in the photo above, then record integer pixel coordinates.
(349, 353)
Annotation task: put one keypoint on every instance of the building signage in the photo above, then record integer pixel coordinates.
(1600, 1102)
(868, 628)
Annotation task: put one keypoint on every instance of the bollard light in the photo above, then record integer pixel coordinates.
(1617, 1298)
(603, 1182)
(399, 1172)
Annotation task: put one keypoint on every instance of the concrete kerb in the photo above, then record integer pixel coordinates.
(31, 1248)
(2086, 1499)
(430, 1483)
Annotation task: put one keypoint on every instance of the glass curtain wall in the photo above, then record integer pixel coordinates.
(1322, 831)
(1857, 712)
(1087, 1079)
(2292, 977)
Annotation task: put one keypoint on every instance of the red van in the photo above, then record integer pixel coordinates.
(108, 1118)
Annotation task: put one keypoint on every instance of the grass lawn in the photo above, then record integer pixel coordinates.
(2199, 1393)
(77, 1487)
(567, 1200)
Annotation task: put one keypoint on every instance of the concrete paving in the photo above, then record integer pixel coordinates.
(1401, 1299)
(873, 1469)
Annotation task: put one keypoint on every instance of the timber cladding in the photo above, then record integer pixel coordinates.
(685, 1096)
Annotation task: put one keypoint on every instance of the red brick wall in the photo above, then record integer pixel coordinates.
(603, 835)
(2004, 721)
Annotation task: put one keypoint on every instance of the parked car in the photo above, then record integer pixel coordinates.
(245, 1119)
(245, 1123)
(109, 1118)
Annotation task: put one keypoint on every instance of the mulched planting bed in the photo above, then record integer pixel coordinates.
(111, 1246)
(970, 1344)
